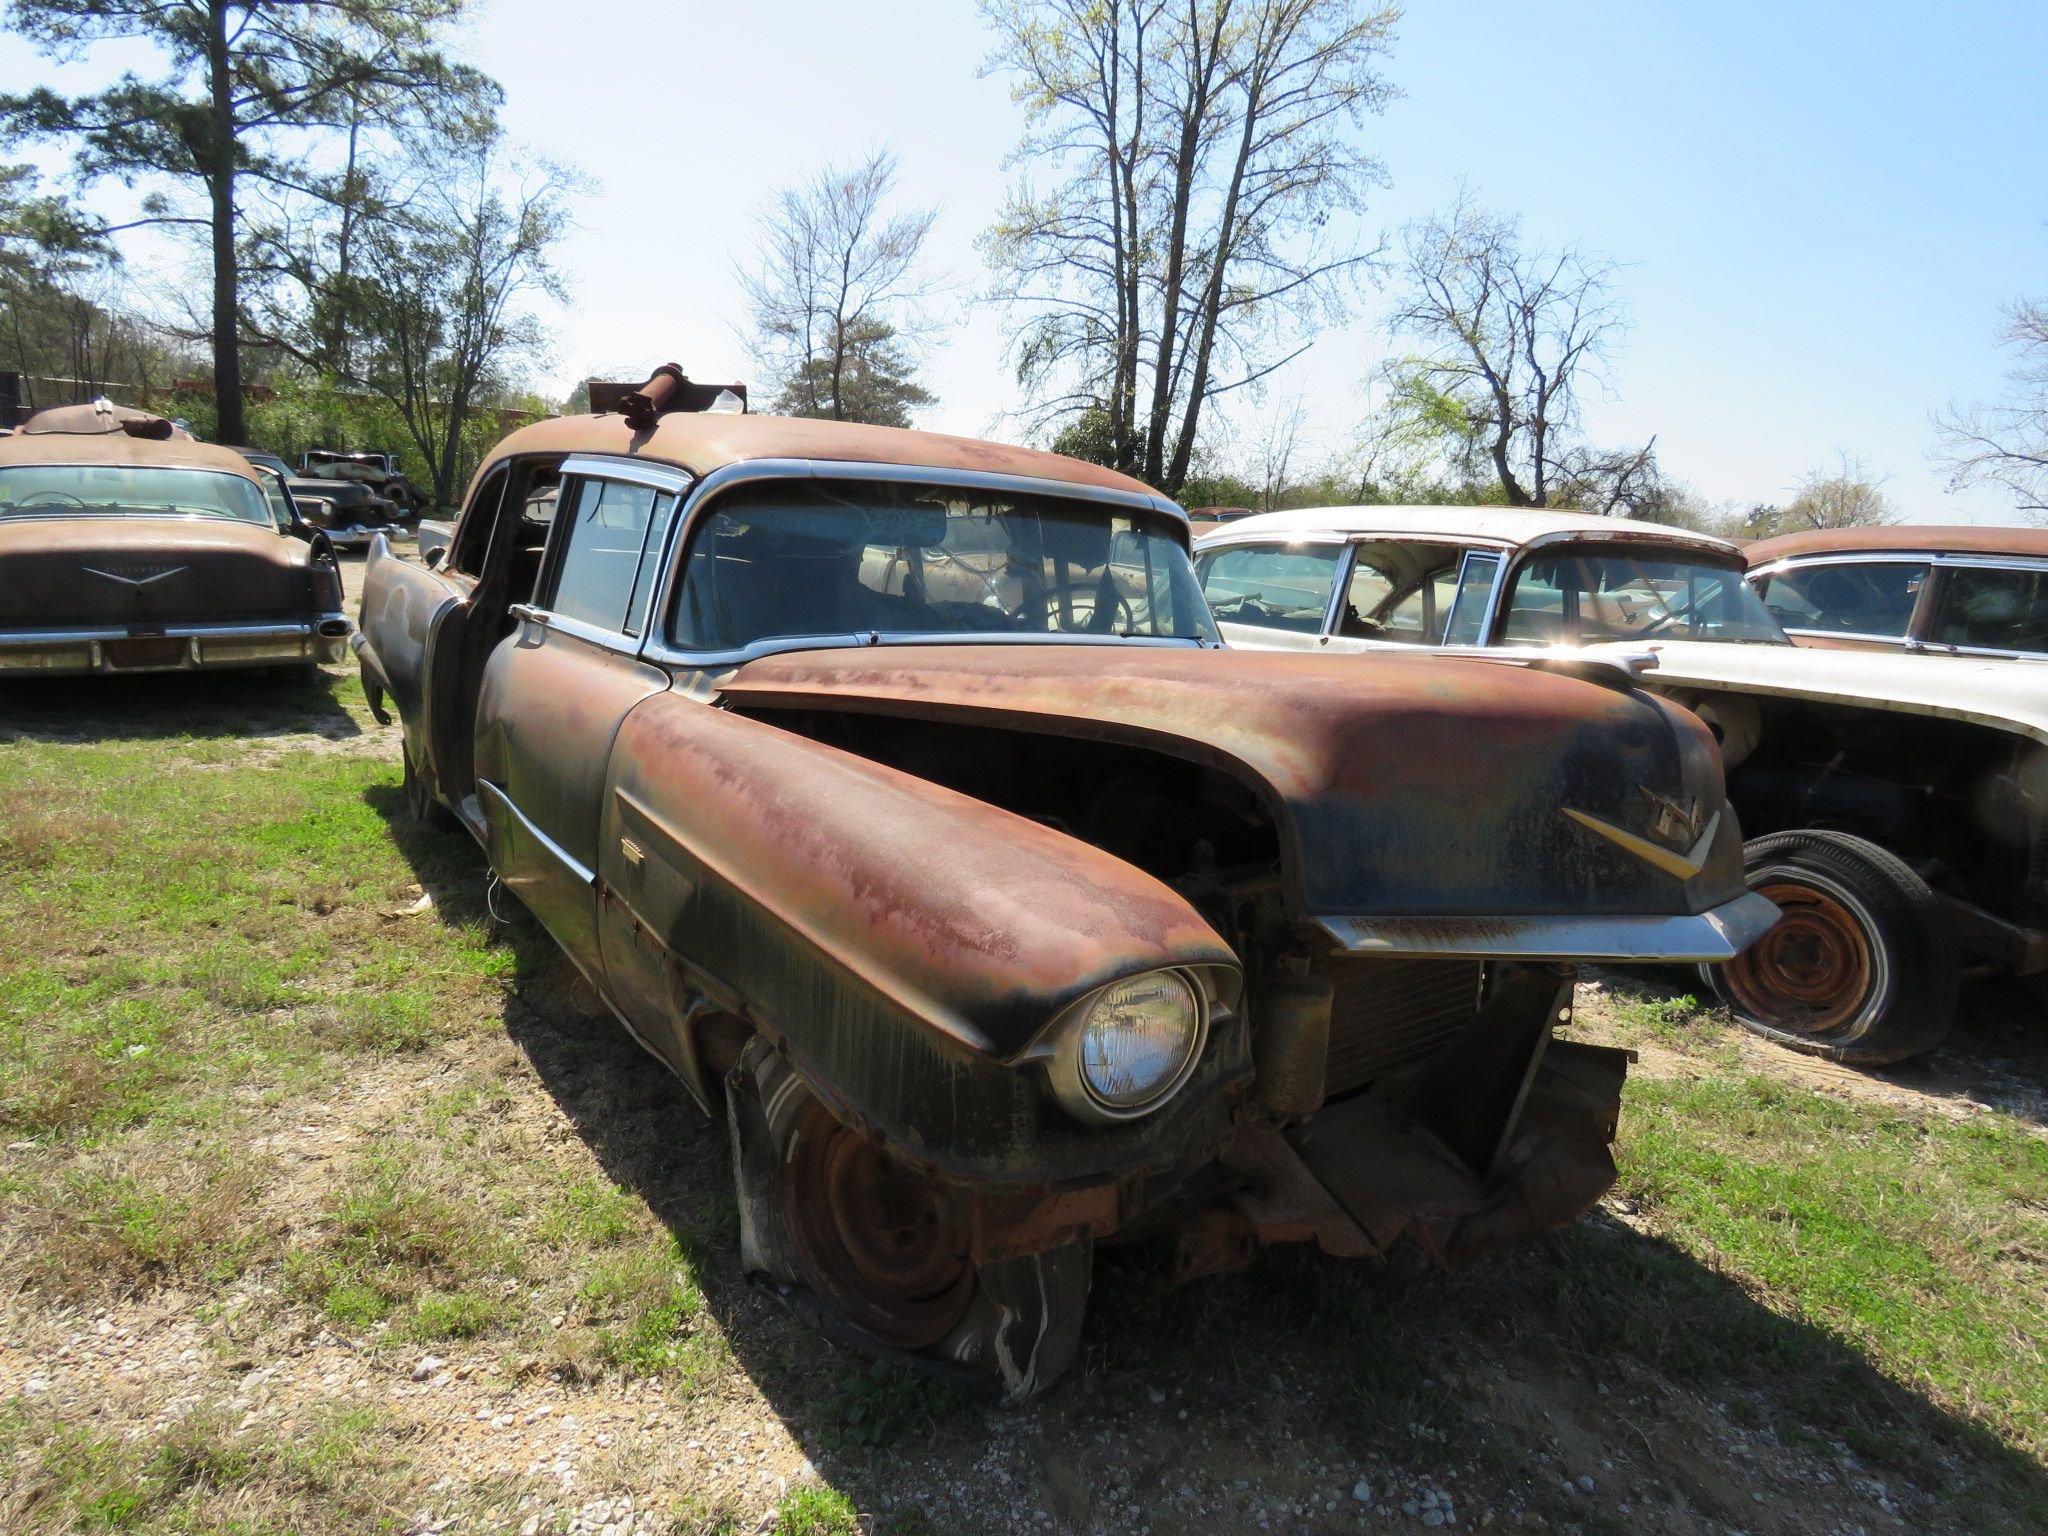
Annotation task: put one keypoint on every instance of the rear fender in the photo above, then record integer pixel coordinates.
(402, 603)
(904, 945)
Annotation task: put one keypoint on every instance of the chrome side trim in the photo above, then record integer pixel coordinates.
(1712, 936)
(583, 873)
(168, 632)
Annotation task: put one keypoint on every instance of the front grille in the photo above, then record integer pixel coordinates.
(1386, 1013)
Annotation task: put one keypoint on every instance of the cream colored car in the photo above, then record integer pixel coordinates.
(1896, 804)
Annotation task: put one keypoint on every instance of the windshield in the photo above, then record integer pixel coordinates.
(1582, 596)
(131, 490)
(802, 559)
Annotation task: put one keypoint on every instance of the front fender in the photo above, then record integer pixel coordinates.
(904, 944)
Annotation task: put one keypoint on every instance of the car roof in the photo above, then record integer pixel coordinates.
(703, 441)
(1904, 538)
(117, 448)
(1505, 525)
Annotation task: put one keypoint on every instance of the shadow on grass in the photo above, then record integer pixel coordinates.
(1391, 1368)
(1995, 1057)
(245, 702)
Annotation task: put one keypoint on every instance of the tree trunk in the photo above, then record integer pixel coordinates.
(220, 180)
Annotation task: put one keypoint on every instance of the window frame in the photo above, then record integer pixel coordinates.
(1916, 622)
(1929, 607)
(657, 478)
(658, 646)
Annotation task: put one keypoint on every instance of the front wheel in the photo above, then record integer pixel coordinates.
(876, 1253)
(1862, 967)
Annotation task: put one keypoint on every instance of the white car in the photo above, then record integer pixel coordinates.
(1896, 804)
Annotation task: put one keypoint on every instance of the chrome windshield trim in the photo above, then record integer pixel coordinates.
(655, 646)
(583, 873)
(1716, 935)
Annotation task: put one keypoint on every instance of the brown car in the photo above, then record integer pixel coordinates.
(125, 546)
(894, 790)
(1959, 591)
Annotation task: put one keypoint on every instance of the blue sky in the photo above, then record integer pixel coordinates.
(1821, 206)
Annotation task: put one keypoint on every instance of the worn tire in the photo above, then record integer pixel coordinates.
(824, 1209)
(1862, 968)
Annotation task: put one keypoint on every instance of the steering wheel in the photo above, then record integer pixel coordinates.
(36, 496)
(1122, 616)
(989, 589)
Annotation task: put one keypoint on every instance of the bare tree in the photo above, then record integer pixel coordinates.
(1849, 496)
(1507, 338)
(1205, 152)
(445, 299)
(832, 290)
(2006, 444)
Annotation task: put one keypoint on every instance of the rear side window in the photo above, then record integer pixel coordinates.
(610, 535)
(1270, 585)
(1992, 610)
(1475, 586)
(1872, 597)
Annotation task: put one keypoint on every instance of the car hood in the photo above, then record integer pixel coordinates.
(1409, 787)
(65, 571)
(2007, 695)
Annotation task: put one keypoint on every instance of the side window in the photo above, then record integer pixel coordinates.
(1855, 598)
(600, 528)
(1468, 608)
(473, 537)
(1270, 585)
(1400, 592)
(1992, 610)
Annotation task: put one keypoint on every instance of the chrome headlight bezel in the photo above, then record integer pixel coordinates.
(1069, 1078)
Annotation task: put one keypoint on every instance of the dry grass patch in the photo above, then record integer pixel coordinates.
(122, 1221)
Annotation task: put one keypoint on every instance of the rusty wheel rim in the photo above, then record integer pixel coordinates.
(1818, 971)
(881, 1242)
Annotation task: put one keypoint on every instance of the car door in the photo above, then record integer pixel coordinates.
(1273, 597)
(1398, 594)
(554, 693)
(1982, 609)
(1855, 604)
(409, 613)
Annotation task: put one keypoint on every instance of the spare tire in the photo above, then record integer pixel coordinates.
(1863, 966)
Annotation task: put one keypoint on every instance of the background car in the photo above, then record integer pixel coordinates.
(893, 789)
(1959, 591)
(125, 546)
(1897, 805)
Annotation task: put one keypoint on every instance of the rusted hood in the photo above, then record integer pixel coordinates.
(1402, 786)
(64, 571)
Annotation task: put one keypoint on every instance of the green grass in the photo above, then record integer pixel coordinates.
(1918, 1243)
(228, 1064)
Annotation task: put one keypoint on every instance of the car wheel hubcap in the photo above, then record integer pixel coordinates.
(1810, 974)
(883, 1243)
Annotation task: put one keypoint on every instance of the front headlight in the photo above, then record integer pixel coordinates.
(1124, 1049)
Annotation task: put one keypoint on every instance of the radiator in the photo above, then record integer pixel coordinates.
(1386, 1013)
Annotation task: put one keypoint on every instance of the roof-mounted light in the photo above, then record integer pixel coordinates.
(667, 389)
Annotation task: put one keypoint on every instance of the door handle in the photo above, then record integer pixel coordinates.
(526, 613)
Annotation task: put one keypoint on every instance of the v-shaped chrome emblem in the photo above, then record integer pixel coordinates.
(148, 575)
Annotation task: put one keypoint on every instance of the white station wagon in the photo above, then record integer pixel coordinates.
(1897, 804)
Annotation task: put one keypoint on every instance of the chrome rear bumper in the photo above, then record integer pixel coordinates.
(174, 648)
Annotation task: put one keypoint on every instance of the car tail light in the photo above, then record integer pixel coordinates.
(326, 586)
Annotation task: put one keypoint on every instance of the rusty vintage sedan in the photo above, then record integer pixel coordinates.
(125, 546)
(894, 790)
